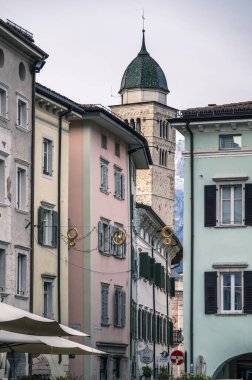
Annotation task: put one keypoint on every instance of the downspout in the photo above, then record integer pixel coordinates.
(167, 307)
(32, 192)
(59, 216)
(191, 246)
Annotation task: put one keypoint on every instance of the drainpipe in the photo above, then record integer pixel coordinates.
(59, 215)
(192, 244)
(32, 192)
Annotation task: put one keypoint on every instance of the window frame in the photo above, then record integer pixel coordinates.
(50, 144)
(219, 204)
(23, 126)
(230, 135)
(221, 286)
(21, 200)
(21, 278)
(4, 89)
(2, 183)
(48, 280)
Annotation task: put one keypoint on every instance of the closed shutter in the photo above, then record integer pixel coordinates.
(248, 204)
(124, 250)
(152, 269)
(165, 330)
(162, 278)
(153, 327)
(41, 217)
(55, 223)
(116, 308)
(2, 270)
(123, 308)
(50, 157)
(100, 237)
(104, 304)
(149, 327)
(167, 283)
(161, 330)
(144, 270)
(105, 177)
(172, 286)
(248, 292)
(158, 275)
(117, 184)
(143, 324)
(139, 320)
(123, 186)
(158, 329)
(210, 292)
(170, 332)
(210, 206)
(112, 247)
(23, 274)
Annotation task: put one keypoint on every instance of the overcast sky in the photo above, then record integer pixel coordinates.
(204, 47)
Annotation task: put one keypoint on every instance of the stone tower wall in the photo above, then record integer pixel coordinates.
(155, 187)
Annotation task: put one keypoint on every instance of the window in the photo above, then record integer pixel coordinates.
(230, 142)
(132, 123)
(138, 124)
(47, 227)
(231, 292)
(119, 183)
(104, 175)
(231, 204)
(21, 274)
(47, 157)
(228, 291)
(48, 298)
(2, 269)
(104, 141)
(105, 240)
(3, 102)
(21, 188)
(22, 113)
(119, 308)
(117, 149)
(162, 157)
(104, 304)
(228, 204)
(2, 181)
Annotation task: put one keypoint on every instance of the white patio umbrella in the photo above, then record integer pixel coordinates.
(13, 342)
(23, 322)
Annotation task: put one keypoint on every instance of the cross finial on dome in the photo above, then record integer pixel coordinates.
(143, 47)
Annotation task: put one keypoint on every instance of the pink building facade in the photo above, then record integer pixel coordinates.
(103, 153)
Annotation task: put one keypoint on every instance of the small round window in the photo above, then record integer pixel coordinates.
(22, 71)
(1, 58)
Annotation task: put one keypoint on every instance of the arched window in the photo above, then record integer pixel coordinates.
(132, 123)
(160, 156)
(126, 121)
(138, 124)
(160, 128)
(163, 130)
(165, 163)
(166, 131)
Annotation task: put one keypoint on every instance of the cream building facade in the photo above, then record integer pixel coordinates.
(50, 264)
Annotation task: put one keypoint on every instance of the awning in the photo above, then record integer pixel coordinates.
(13, 342)
(23, 322)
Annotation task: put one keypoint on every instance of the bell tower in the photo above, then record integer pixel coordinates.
(143, 93)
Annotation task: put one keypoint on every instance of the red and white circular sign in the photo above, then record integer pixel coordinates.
(177, 357)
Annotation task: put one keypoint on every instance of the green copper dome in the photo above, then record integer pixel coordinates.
(144, 72)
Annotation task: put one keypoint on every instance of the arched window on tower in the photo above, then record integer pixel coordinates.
(160, 128)
(132, 123)
(160, 156)
(138, 124)
(163, 130)
(165, 162)
(166, 131)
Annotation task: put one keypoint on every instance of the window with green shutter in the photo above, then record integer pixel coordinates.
(144, 325)
(162, 277)
(158, 275)
(47, 227)
(139, 324)
(153, 327)
(152, 269)
(149, 322)
(144, 270)
(170, 332)
(172, 286)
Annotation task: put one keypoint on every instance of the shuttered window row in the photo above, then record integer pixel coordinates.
(155, 272)
(151, 327)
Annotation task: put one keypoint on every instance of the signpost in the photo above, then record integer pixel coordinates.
(177, 357)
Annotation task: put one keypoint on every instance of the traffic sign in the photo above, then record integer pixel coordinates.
(177, 357)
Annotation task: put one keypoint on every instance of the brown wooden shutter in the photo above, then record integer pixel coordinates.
(210, 206)
(210, 292)
(248, 204)
(248, 292)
